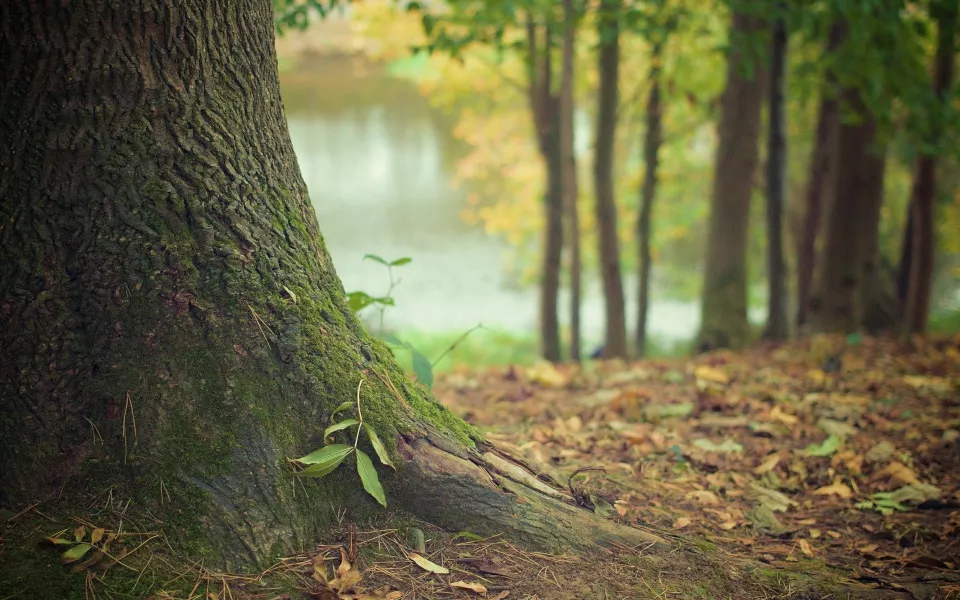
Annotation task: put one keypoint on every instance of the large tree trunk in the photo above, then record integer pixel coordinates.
(570, 191)
(855, 195)
(923, 196)
(544, 106)
(776, 328)
(171, 327)
(652, 140)
(724, 301)
(615, 344)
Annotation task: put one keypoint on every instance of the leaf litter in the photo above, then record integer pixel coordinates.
(764, 453)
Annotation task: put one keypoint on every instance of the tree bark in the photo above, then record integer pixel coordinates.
(817, 185)
(544, 106)
(652, 140)
(777, 328)
(615, 344)
(855, 195)
(724, 300)
(171, 326)
(923, 195)
(570, 191)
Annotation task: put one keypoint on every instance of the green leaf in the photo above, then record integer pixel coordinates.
(60, 541)
(401, 261)
(318, 471)
(378, 446)
(338, 426)
(341, 408)
(332, 454)
(727, 446)
(368, 475)
(358, 301)
(422, 368)
(75, 553)
(376, 258)
(601, 506)
(827, 448)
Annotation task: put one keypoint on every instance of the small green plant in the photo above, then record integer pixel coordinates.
(357, 301)
(360, 300)
(324, 461)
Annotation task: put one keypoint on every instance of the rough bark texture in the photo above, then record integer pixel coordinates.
(923, 196)
(724, 301)
(652, 140)
(777, 328)
(171, 327)
(615, 344)
(544, 106)
(818, 181)
(570, 192)
(855, 195)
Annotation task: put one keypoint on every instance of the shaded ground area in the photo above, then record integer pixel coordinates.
(831, 451)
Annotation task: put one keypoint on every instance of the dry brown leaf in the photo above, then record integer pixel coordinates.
(835, 489)
(896, 474)
(768, 464)
(501, 595)
(681, 523)
(805, 547)
(473, 587)
(778, 415)
(705, 497)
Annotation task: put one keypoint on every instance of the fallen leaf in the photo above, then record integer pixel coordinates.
(704, 497)
(473, 587)
(711, 374)
(501, 595)
(805, 547)
(427, 565)
(681, 522)
(835, 489)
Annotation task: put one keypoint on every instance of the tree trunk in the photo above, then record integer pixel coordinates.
(724, 301)
(877, 293)
(923, 195)
(837, 305)
(615, 344)
(651, 157)
(776, 328)
(570, 191)
(817, 185)
(171, 327)
(544, 108)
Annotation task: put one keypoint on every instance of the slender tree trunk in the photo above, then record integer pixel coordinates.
(724, 301)
(837, 305)
(923, 195)
(615, 344)
(651, 157)
(777, 328)
(877, 293)
(817, 185)
(544, 108)
(570, 191)
(171, 326)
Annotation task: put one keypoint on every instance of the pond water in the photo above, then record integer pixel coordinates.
(378, 162)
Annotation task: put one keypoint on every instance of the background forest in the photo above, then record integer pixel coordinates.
(477, 137)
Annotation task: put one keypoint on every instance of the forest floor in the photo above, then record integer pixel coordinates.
(824, 468)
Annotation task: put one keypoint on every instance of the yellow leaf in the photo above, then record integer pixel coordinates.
(711, 374)
(768, 465)
(473, 587)
(96, 535)
(681, 523)
(898, 474)
(805, 547)
(704, 497)
(835, 489)
(778, 415)
(547, 375)
(427, 565)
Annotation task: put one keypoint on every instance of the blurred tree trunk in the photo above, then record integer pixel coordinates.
(724, 300)
(777, 328)
(615, 344)
(855, 195)
(923, 195)
(818, 183)
(544, 106)
(569, 167)
(651, 157)
(877, 294)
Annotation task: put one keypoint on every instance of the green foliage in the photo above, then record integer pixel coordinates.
(295, 14)
(324, 461)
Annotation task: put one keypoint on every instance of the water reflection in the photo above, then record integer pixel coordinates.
(378, 163)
